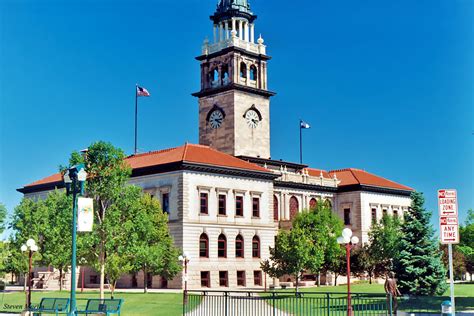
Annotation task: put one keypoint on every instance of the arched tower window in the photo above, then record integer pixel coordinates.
(313, 203)
(203, 246)
(225, 75)
(255, 247)
(243, 70)
(239, 246)
(222, 246)
(275, 208)
(294, 207)
(253, 72)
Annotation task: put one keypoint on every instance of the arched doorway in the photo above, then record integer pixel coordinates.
(275, 208)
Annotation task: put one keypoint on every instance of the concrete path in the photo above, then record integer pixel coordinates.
(215, 305)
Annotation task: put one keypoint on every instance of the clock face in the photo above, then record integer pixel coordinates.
(216, 118)
(252, 118)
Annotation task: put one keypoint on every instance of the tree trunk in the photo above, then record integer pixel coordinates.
(61, 279)
(297, 281)
(145, 280)
(335, 279)
(24, 283)
(319, 279)
(102, 269)
(112, 289)
(370, 278)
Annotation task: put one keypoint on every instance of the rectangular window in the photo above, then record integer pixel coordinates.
(204, 203)
(205, 279)
(256, 207)
(385, 212)
(223, 280)
(347, 216)
(374, 215)
(239, 205)
(240, 278)
(166, 203)
(222, 204)
(257, 278)
(395, 213)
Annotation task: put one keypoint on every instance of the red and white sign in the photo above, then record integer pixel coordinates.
(448, 216)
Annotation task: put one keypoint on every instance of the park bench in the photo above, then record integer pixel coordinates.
(102, 306)
(51, 306)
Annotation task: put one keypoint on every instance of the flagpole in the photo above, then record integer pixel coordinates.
(301, 142)
(136, 118)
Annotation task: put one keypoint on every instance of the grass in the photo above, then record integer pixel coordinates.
(464, 297)
(171, 304)
(134, 303)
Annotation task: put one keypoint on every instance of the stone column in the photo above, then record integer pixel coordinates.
(215, 33)
(252, 33)
(241, 33)
(233, 25)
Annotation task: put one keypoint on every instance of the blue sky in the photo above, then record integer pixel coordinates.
(386, 85)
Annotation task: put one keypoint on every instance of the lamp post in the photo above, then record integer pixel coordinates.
(74, 179)
(185, 258)
(31, 247)
(348, 240)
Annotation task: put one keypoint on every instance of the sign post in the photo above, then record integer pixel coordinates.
(449, 229)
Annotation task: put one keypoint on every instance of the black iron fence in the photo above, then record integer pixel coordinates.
(247, 303)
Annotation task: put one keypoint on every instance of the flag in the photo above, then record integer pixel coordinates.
(142, 92)
(304, 124)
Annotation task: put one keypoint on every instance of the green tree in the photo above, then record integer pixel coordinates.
(384, 245)
(322, 226)
(3, 217)
(364, 262)
(154, 251)
(293, 253)
(466, 244)
(108, 174)
(56, 242)
(338, 266)
(419, 266)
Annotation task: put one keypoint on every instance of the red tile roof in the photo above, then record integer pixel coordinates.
(353, 176)
(187, 153)
(317, 173)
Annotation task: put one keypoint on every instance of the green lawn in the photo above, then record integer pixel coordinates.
(135, 303)
(171, 304)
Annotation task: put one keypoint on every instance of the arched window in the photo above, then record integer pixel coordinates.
(294, 207)
(225, 74)
(253, 72)
(313, 203)
(243, 70)
(275, 208)
(222, 246)
(214, 75)
(328, 203)
(239, 246)
(256, 247)
(203, 246)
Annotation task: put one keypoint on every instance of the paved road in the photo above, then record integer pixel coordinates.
(237, 306)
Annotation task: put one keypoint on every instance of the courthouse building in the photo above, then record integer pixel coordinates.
(226, 198)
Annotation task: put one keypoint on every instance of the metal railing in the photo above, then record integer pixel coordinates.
(248, 303)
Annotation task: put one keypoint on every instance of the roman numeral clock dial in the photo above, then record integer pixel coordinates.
(215, 119)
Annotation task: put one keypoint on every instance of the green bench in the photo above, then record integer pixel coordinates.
(102, 306)
(51, 306)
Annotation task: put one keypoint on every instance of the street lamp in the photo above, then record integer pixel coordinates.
(74, 179)
(185, 258)
(31, 247)
(348, 240)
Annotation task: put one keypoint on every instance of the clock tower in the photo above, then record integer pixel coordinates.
(234, 101)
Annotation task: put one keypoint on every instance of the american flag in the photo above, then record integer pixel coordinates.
(142, 92)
